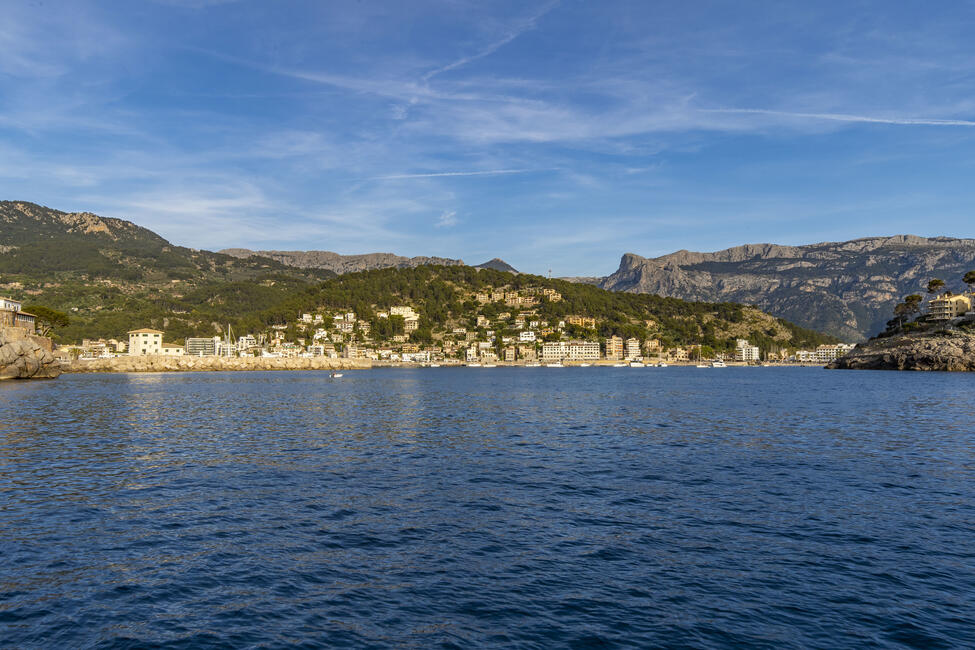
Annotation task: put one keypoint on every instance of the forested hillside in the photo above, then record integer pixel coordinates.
(110, 276)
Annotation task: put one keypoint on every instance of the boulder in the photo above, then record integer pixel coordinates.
(26, 358)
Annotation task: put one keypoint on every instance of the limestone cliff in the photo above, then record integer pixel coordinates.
(847, 289)
(950, 351)
(26, 357)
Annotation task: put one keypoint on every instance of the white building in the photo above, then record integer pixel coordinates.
(554, 351)
(633, 349)
(583, 351)
(145, 341)
(8, 304)
(826, 353)
(202, 347)
(527, 336)
(745, 351)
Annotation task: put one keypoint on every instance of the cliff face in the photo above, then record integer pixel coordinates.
(27, 357)
(847, 289)
(342, 263)
(954, 352)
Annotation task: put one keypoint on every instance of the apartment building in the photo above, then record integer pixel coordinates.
(614, 348)
(145, 341)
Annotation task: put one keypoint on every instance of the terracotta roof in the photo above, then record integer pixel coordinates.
(144, 331)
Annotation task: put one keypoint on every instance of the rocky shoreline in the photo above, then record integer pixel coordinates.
(25, 356)
(158, 363)
(952, 351)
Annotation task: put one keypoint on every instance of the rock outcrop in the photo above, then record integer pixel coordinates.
(26, 358)
(160, 363)
(847, 289)
(340, 264)
(950, 351)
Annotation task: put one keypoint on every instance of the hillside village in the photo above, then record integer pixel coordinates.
(507, 326)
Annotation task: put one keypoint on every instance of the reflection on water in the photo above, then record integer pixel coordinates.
(526, 507)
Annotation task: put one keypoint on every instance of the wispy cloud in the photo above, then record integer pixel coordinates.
(488, 172)
(844, 117)
(448, 218)
(511, 35)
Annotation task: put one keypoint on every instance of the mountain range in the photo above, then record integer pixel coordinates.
(337, 263)
(847, 289)
(111, 276)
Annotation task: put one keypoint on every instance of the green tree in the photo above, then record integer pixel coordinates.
(47, 319)
(936, 285)
(969, 279)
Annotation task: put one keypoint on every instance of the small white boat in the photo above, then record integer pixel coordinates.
(662, 365)
(637, 364)
(336, 375)
(554, 365)
(434, 365)
(585, 365)
(619, 365)
(533, 365)
(490, 365)
(473, 365)
(719, 364)
(702, 365)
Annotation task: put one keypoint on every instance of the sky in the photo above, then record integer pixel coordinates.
(555, 134)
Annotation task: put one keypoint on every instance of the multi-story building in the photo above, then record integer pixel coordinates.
(527, 353)
(527, 336)
(827, 353)
(554, 351)
(145, 341)
(509, 354)
(745, 351)
(948, 306)
(680, 354)
(614, 348)
(202, 347)
(583, 351)
(552, 295)
(632, 349)
(581, 321)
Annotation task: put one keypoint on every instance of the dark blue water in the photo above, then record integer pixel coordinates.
(530, 508)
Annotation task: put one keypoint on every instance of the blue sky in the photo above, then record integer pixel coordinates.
(555, 134)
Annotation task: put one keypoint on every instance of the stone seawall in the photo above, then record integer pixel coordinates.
(158, 363)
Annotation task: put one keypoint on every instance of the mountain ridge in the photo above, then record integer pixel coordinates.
(846, 288)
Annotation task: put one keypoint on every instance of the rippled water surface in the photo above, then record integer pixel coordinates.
(494, 507)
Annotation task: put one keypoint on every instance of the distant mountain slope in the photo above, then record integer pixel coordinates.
(111, 275)
(342, 263)
(37, 240)
(497, 264)
(847, 289)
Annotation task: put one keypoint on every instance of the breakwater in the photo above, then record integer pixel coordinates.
(159, 363)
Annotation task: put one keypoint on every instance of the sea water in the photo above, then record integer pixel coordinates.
(536, 508)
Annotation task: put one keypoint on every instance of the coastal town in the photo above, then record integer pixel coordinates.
(507, 329)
